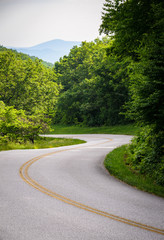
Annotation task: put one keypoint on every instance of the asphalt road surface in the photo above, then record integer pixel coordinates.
(66, 194)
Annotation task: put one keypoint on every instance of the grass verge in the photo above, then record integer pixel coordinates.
(42, 142)
(129, 129)
(115, 164)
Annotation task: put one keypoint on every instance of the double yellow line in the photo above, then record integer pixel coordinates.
(25, 176)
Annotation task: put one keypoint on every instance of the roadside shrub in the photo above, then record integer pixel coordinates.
(16, 126)
(145, 154)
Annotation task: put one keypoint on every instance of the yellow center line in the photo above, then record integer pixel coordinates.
(25, 176)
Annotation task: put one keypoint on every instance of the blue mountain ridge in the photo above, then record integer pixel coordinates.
(50, 51)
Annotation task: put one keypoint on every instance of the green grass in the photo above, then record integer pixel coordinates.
(42, 142)
(129, 129)
(115, 164)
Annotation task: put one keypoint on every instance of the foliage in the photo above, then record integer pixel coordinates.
(28, 95)
(146, 83)
(146, 154)
(146, 105)
(17, 127)
(94, 86)
(144, 43)
(27, 85)
(128, 21)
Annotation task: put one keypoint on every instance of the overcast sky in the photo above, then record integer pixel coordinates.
(25, 23)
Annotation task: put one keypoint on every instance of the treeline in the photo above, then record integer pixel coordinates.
(28, 95)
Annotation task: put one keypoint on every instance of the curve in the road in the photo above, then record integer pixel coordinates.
(25, 176)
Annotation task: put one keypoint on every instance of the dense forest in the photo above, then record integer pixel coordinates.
(115, 80)
(94, 86)
(28, 96)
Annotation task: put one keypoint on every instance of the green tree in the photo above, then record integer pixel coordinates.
(144, 43)
(27, 85)
(16, 126)
(94, 85)
(128, 21)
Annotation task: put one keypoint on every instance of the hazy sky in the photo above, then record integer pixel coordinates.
(24, 23)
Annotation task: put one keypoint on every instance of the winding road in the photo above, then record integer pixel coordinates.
(66, 193)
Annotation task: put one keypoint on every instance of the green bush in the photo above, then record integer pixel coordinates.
(146, 154)
(16, 126)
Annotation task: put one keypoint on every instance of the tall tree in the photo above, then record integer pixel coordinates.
(128, 21)
(137, 27)
(94, 86)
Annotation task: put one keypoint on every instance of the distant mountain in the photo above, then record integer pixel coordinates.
(50, 51)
